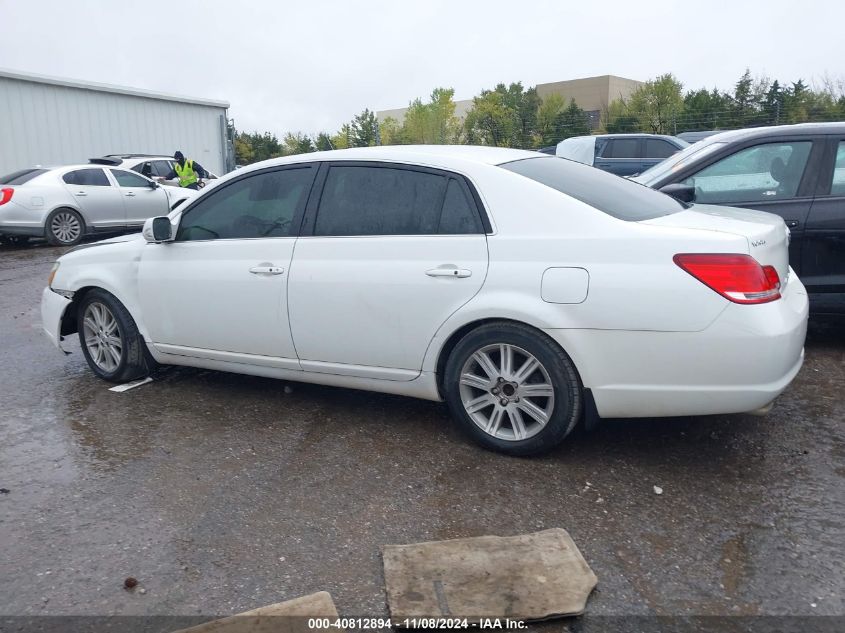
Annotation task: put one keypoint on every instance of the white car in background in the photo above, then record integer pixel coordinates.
(150, 165)
(63, 204)
(527, 291)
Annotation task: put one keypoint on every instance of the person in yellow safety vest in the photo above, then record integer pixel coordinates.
(187, 171)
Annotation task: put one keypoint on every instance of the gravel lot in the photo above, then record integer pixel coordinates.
(221, 493)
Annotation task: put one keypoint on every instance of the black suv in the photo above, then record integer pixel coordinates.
(795, 171)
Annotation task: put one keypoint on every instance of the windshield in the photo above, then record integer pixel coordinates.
(676, 162)
(610, 194)
(21, 177)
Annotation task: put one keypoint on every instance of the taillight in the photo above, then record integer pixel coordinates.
(738, 278)
(6, 195)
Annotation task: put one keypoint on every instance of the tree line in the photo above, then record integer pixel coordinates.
(513, 116)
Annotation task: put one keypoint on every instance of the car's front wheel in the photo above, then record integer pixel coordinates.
(65, 227)
(513, 389)
(110, 340)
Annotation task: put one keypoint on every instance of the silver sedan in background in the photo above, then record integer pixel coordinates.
(63, 204)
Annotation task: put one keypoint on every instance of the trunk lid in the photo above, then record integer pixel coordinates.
(766, 233)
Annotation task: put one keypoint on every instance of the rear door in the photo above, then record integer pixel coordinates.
(778, 176)
(621, 156)
(823, 257)
(387, 254)
(100, 202)
(140, 200)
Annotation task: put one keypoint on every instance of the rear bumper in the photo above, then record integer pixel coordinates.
(53, 307)
(28, 231)
(741, 362)
(18, 220)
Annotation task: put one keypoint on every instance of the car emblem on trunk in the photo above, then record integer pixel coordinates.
(758, 242)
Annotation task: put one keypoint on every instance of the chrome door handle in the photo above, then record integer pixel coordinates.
(449, 272)
(266, 270)
(792, 223)
(81, 193)
(130, 195)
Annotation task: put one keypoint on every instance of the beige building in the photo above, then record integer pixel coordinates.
(592, 94)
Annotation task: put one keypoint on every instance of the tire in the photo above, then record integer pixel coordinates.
(114, 357)
(65, 227)
(521, 408)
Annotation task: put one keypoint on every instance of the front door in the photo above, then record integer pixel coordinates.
(219, 290)
(390, 253)
(140, 200)
(99, 201)
(768, 177)
(823, 261)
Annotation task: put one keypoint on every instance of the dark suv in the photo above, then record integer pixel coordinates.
(795, 171)
(620, 154)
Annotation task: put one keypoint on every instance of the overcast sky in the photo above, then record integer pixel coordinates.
(311, 65)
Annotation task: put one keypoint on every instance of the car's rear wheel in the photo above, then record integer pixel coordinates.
(110, 340)
(513, 389)
(65, 227)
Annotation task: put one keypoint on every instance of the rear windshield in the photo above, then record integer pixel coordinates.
(611, 194)
(21, 177)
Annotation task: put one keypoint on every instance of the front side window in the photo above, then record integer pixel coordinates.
(771, 171)
(658, 148)
(161, 168)
(837, 187)
(128, 179)
(362, 200)
(87, 178)
(144, 169)
(262, 205)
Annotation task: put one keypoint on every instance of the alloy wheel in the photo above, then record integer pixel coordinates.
(102, 337)
(66, 227)
(507, 392)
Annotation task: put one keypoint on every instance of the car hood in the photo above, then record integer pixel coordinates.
(132, 237)
(766, 233)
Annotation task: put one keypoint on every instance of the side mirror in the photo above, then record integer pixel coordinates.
(153, 184)
(684, 193)
(157, 230)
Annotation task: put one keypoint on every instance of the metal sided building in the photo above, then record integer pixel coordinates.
(52, 121)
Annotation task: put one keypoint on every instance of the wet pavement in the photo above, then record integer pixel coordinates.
(221, 493)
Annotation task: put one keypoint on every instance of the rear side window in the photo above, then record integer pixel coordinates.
(363, 200)
(618, 197)
(621, 148)
(658, 148)
(458, 217)
(87, 178)
(21, 177)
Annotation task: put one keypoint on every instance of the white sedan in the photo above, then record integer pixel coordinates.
(527, 291)
(63, 204)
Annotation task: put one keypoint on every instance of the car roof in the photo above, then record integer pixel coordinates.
(430, 154)
(158, 156)
(636, 135)
(778, 130)
(47, 168)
